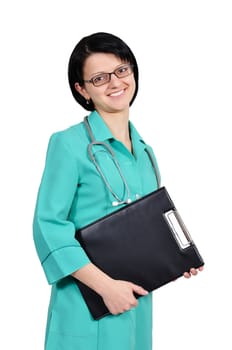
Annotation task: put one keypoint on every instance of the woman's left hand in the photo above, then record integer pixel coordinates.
(193, 272)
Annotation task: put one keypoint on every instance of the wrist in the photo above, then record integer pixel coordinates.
(104, 285)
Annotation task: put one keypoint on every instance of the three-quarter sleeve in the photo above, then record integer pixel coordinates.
(54, 234)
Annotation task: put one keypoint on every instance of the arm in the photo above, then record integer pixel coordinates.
(59, 252)
(117, 295)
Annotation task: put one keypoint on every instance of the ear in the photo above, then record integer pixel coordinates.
(82, 91)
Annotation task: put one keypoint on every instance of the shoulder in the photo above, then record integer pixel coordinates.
(72, 138)
(70, 132)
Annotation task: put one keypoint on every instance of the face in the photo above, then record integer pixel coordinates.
(112, 97)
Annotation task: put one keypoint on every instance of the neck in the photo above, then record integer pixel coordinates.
(119, 126)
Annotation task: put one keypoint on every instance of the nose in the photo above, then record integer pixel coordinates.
(113, 78)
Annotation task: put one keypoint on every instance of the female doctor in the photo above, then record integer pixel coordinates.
(103, 77)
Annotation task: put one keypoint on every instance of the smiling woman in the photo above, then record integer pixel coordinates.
(103, 77)
(109, 92)
(98, 43)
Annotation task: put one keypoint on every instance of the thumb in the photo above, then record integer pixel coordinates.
(139, 290)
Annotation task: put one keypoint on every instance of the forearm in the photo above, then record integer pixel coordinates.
(93, 277)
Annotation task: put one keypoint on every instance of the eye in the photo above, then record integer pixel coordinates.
(123, 70)
(99, 79)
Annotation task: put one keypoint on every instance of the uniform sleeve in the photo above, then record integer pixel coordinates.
(58, 250)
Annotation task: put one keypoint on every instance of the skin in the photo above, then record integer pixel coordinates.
(111, 101)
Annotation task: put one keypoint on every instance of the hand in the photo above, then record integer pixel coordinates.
(192, 272)
(119, 296)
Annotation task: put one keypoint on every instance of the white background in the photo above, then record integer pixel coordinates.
(183, 110)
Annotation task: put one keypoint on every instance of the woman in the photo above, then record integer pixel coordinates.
(103, 77)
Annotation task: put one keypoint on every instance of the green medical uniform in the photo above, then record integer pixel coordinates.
(71, 195)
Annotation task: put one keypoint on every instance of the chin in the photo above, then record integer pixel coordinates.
(120, 109)
(119, 105)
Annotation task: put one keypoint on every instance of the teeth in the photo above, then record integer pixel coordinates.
(117, 93)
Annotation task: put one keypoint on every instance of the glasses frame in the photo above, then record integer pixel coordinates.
(109, 75)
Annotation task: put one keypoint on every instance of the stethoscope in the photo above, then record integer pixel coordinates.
(118, 200)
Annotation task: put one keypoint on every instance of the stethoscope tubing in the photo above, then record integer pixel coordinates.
(118, 200)
(114, 159)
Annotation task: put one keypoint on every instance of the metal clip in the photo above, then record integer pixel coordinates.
(178, 229)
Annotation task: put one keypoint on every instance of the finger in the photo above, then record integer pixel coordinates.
(134, 303)
(187, 275)
(193, 271)
(139, 290)
(201, 268)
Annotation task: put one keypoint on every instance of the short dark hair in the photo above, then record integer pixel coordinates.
(96, 43)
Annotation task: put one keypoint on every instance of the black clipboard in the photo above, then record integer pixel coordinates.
(145, 242)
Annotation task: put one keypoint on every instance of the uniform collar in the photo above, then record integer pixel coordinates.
(102, 133)
(137, 141)
(99, 128)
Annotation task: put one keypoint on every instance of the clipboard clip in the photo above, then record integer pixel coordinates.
(178, 229)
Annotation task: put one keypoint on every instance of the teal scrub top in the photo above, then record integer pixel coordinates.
(72, 195)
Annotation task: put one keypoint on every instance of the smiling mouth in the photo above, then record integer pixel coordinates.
(118, 93)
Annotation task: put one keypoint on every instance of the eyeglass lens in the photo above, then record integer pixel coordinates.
(120, 72)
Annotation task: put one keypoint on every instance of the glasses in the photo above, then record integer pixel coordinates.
(104, 78)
